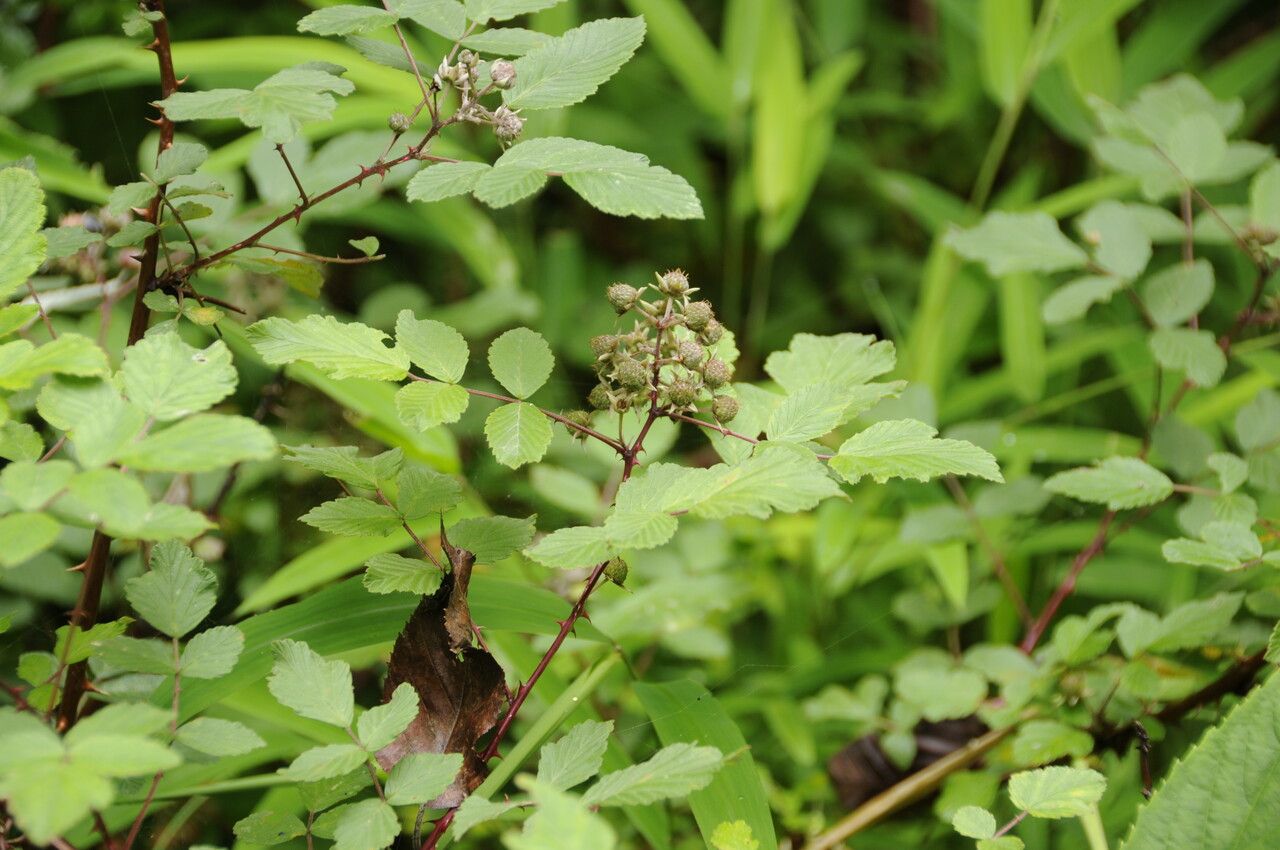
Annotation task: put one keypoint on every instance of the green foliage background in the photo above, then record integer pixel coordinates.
(833, 145)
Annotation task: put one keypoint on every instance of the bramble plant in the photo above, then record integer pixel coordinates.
(376, 572)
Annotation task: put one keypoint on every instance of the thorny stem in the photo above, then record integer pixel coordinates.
(44, 317)
(320, 258)
(85, 614)
(1017, 819)
(998, 565)
(302, 193)
(1068, 584)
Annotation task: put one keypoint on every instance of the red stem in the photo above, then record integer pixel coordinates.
(1068, 585)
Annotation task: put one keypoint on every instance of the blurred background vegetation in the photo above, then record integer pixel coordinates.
(832, 142)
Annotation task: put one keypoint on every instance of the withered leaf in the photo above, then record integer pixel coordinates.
(461, 690)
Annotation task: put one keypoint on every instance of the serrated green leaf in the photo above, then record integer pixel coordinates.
(169, 379)
(561, 822)
(381, 724)
(576, 757)
(133, 233)
(342, 350)
(31, 486)
(353, 516)
(47, 798)
(25, 536)
(517, 434)
(1194, 352)
(215, 737)
(269, 828)
(345, 464)
(179, 159)
(1017, 242)
(1123, 247)
(483, 11)
(118, 504)
(421, 777)
(310, 685)
(325, 762)
(493, 538)
(16, 316)
(177, 592)
(477, 810)
(571, 548)
(506, 41)
(1232, 471)
(571, 68)
(1044, 741)
(1072, 300)
(424, 405)
(445, 180)
(22, 245)
(212, 653)
(1175, 294)
(445, 17)
(99, 420)
(974, 822)
(22, 363)
(1119, 483)
(201, 443)
(905, 448)
(436, 348)
(388, 573)
(1056, 792)
(807, 414)
(138, 656)
(521, 361)
(424, 491)
(673, 771)
(942, 694)
(65, 241)
(366, 825)
(279, 104)
(346, 20)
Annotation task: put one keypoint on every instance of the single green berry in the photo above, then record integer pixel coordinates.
(682, 392)
(503, 73)
(622, 296)
(717, 373)
(507, 125)
(712, 332)
(599, 397)
(578, 417)
(674, 282)
(616, 571)
(631, 373)
(691, 353)
(724, 408)
(698, 314)
(604, 344)
(398, 122)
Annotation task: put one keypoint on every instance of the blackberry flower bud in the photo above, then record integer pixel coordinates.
(622, 296)
(717, 373)
(506, 124)
(698, 314)
(599, 397)
(503, 73)
(724, 408)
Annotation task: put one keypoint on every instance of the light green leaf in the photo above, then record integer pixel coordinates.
(613, 180)
(130, 196)
(1232, 471)
(807, 414)
(674, 771)
(1123, 247)
(169, 379)
(1222, 545)
(1257, 423)
(16, 316)
(1194, 352)
(345, 464)
(521, 360)
(1056, 792)
(65, 241)
(517, 434)
(1072, 300)
(120, 755)
(572, 548)
(388, 573)
(346, 20)
(492, 538)
(483, 11)
(445, 180)
(941, 693)
(138, 656)
(1117, 482)
(100, 422)
(1196, 146)
(311, 686)
(445, 17)
(133, 233)
(1044, 741)
(31, 486)
(1017, 242)
(477, 810)
(279, 104)
(353, 516)
(576, 757)
(269, 828)
(905, 448)
(366, 825)
(179, 159)
(26, 535)
(1179, 292)
(48, 798)
(425, 405)
(22, 245)
(177, 593)
(381, 724)
(201, 443)
(506, 41)
(571, 68)
(424, 491)
(438, 349)
(215, 737)
(119, 505)
(212, 653)
(326, 762)
(421, 777)
(367, 245)
(343, 350)
(950, 565)
(734, 835)
(561, 822)
(974, 822)
(22, 363)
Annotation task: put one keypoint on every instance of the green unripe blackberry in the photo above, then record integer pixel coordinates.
(691, 353)
(398, 122)
(604, 344)
(622, 296)
(674, 282)
(599, 397)
(631, 373)
(724, 408)
(616, 571)
(578, 417)
(698, 314)
(717, 373)
(712, 332)
(682, 392)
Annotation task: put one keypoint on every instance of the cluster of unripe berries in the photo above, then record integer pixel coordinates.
(669, 350)
(465, 75)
